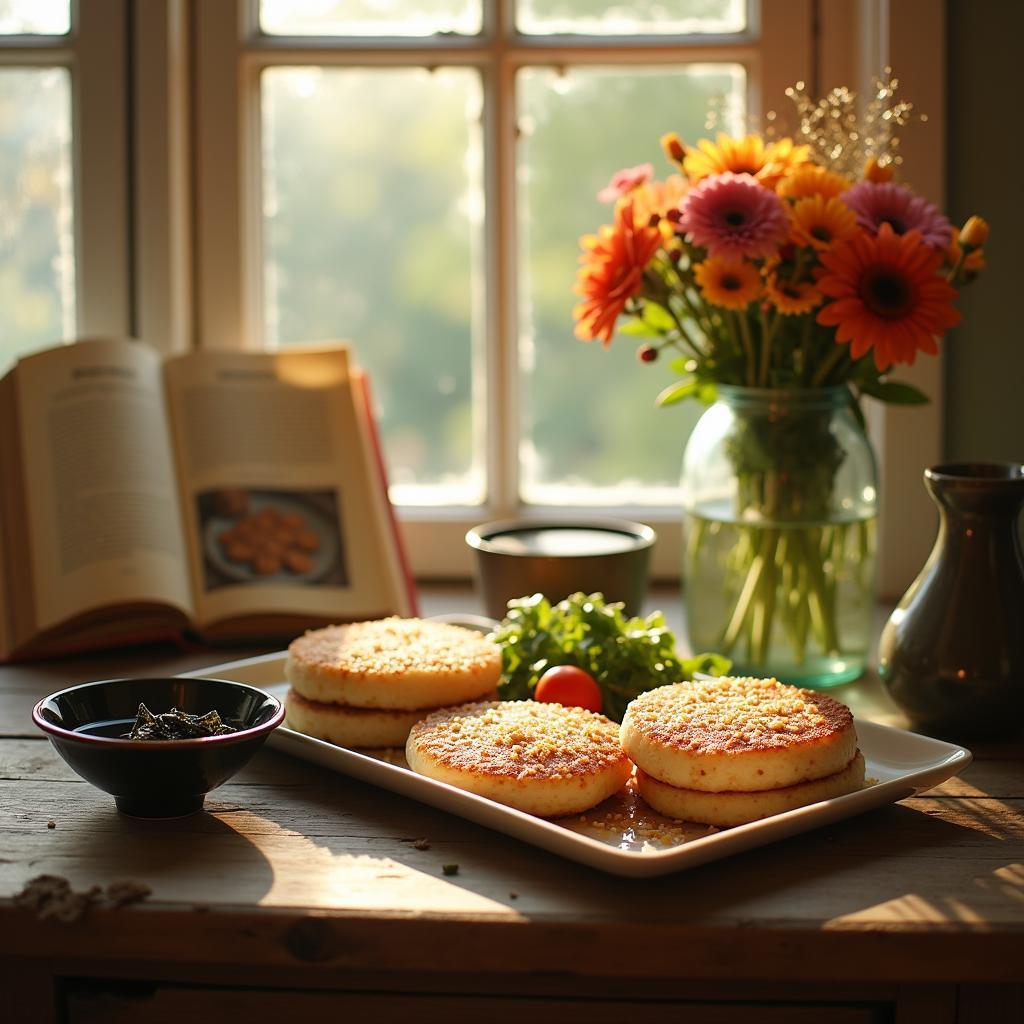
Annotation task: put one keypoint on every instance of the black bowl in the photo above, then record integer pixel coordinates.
(156, 778)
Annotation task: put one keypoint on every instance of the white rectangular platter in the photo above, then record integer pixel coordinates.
(622, 835)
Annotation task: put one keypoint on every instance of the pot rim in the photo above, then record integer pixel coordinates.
(480, 537)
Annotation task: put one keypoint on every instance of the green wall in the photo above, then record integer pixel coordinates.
(985, 355)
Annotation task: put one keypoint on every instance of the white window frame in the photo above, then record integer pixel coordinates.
(95, 51)
(219, 290)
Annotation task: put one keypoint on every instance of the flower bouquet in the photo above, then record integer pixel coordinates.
(784, 280)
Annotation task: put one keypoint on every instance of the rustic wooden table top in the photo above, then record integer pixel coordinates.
(294, 868)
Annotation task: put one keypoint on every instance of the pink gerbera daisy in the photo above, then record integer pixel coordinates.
(733, 217)
(883, 202)
(625, 181)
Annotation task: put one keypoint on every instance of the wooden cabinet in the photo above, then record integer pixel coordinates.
(161, 1004)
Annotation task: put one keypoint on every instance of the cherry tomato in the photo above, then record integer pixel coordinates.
(569, 685)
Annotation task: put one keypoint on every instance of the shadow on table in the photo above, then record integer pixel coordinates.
(198, 859)
(858, 867)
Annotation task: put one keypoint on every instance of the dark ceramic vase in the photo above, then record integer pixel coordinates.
(952, 653)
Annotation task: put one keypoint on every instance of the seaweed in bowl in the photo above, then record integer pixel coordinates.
(89, 726)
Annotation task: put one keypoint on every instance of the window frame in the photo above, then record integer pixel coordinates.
(229, 57)
(787, 40)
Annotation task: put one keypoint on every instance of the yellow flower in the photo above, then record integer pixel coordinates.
(728, 283)
(968, 263)
(791, 298)
(749, 155)
(974, 233)
(821, 222)
(811, 180)
(673, 148)
(874, 171)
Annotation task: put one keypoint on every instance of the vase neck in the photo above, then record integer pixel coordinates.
(979, 491)
(790, 399)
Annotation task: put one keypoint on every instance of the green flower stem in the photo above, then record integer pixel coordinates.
(741, 333)
(829, 364)
(694, 349)
(789, 573)
(702, 316)
(805, 347)
(747, 595)
(764, 610)
(822, 611)
(767, 335)
(748, 344)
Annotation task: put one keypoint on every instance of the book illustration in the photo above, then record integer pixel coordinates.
(254, 536)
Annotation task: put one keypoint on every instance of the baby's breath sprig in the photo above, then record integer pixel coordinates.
(846, 134)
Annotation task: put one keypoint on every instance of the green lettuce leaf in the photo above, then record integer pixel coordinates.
(625, 656)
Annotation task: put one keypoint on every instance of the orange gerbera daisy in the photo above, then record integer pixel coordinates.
(733, 284)
(791, 298)
(888, 296)
(821, 222)
(811, 180)
(749, 155)
(656, 198)
(612, 272)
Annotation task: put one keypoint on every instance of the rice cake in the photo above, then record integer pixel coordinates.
(348, 726)
(738, 735)
(545, 759)
(732, 808)
(394, 664)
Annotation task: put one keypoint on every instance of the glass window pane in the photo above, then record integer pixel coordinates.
(372, 186)
(637, 17)
(35, 17)
(37, 262)
(369, 17)
(591, 433)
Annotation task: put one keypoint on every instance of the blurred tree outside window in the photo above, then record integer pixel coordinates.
(37, 223)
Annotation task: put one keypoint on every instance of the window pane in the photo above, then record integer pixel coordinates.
(372, 217)
(591, 432)
(637, 17)
(37, 263)
(369, 17)
(35, 17)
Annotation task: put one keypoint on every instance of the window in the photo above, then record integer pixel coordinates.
(415, 177)
(63, 197)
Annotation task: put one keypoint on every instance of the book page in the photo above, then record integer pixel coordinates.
(100, 495)
(280, 498)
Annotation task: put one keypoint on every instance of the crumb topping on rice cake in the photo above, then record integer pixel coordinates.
(401, 664)
(543, 758)
(738, 734)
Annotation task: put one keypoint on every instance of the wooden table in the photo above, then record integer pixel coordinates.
(301, 895)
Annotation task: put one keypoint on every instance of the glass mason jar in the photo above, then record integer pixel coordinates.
(779, 534)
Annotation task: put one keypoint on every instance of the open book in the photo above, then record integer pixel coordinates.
(226, 495)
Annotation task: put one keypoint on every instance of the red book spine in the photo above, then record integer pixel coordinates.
(378, 454)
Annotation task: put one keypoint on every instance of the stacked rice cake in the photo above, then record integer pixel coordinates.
(545, 759)
(366, 684)
(729, 751)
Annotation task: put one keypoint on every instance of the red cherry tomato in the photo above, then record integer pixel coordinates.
(569, 685)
